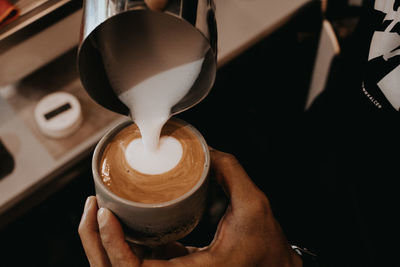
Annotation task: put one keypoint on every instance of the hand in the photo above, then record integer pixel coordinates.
(247, 235)
(156, 5)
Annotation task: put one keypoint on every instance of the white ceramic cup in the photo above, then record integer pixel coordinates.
(153, 224)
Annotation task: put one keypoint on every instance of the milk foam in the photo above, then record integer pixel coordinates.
(150, 101)
(165, 158)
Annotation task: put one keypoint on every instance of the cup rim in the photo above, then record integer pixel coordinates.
(115, 130)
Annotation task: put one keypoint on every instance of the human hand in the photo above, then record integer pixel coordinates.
(247, 235)
(156, 5)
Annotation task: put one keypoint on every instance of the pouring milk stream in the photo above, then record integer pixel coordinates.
(150, 103)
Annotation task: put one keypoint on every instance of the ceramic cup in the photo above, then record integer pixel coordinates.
(153, 224)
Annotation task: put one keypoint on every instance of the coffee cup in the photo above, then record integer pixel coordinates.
(149, 220)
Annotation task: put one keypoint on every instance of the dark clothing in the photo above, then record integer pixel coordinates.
(359, 149)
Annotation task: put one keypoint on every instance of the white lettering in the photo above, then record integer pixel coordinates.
(371, 98)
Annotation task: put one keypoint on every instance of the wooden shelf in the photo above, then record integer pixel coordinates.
(30, 11)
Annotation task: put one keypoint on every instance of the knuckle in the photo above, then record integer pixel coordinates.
(82, 230)
(229, 159)
(106, 239)
(261, 203)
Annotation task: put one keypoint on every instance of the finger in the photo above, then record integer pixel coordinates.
(156, 5)
(113, 239)
(89, 234)
(194, 249)
(233, 178)
(139, 250)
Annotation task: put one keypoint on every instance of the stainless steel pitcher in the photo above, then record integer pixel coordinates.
(124, 42)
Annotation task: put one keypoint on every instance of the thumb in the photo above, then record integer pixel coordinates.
(113, 239)
(238, 186)
(156, 5)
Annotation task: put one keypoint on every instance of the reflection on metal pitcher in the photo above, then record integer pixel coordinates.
(123, 43)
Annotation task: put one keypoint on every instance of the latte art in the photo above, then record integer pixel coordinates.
(165, 157)
(136, 179)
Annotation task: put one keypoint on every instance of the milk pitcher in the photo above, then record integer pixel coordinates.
(132, 40)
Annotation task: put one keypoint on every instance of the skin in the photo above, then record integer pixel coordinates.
(247, 235)
(156, 5)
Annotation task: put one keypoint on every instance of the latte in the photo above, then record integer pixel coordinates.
(125, 175)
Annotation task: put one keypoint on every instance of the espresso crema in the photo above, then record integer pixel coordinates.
(123, 180)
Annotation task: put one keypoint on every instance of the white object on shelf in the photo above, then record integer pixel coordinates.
(58, 114)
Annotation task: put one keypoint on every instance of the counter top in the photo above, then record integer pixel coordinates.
(38, 159)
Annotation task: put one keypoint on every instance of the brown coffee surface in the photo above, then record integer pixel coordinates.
(128, 183)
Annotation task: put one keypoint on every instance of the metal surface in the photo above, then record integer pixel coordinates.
(142, 43)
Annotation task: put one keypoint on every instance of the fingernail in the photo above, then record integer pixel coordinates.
(102, 216)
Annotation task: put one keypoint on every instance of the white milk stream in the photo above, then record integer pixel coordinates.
(150, 104)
